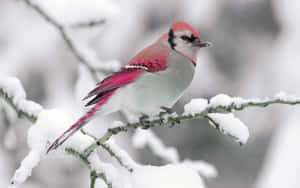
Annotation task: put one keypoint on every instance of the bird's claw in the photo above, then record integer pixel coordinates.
(166, 109)
(163, 111)
(144, 121)
(174, 123)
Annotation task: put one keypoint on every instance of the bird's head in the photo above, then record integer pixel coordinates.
(184, 39)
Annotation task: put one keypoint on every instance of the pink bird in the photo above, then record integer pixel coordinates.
(152, 80)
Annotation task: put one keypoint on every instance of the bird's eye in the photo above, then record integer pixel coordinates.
(186, 38)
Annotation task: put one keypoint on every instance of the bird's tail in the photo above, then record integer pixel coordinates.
(99, 100)
(75, 127)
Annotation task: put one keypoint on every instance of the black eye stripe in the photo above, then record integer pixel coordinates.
(185, 38)
(171, 39)
(189, 39)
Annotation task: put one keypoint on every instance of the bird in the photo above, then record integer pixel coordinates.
(151, 81)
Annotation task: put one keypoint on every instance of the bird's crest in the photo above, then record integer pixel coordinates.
(180, 26)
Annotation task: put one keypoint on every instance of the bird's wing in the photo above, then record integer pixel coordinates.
(143, 62)
(150, 59)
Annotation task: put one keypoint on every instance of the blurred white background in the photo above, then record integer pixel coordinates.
(255, 53)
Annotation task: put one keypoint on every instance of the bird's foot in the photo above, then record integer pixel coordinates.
(144, 121)
(165, 111)
(174, 123)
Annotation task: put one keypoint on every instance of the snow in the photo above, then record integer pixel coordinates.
(108, 169)
(100, 183)
(117, 124)
(14, 89)
(202, 167)
(124, 156)
(285, 97)
(230, 125)
(49, 125)
(143, 138)
(25, 170)
(168, 176)
(221, 100)
(195, 106)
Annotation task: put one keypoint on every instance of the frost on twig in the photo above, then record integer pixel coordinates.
(12, 91)
(82, 57)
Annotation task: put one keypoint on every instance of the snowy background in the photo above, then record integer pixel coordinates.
(255, 53)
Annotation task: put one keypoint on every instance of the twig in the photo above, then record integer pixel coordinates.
(88, 24)
(63, 32)
(94, 175)
(20, 113)
(108, 149)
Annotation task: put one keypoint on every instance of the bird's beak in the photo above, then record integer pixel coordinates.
(201, 44)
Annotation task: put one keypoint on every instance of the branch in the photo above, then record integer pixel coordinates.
(63, 31)
(93, 174)
(218, 104)
(109, 150)
(12, 91)
(20, 113)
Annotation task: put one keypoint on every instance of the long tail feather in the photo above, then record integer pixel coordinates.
(81, 122)
(74, 128)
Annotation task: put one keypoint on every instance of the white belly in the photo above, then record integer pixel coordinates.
(154, 90)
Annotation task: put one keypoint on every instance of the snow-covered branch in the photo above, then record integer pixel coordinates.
(12, 91)
(202, 108)
(83, 57)
(93, 172)
(109, 147)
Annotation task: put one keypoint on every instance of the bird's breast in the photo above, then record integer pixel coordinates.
(163, 88)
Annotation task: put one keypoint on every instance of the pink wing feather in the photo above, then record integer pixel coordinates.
(143, 61)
